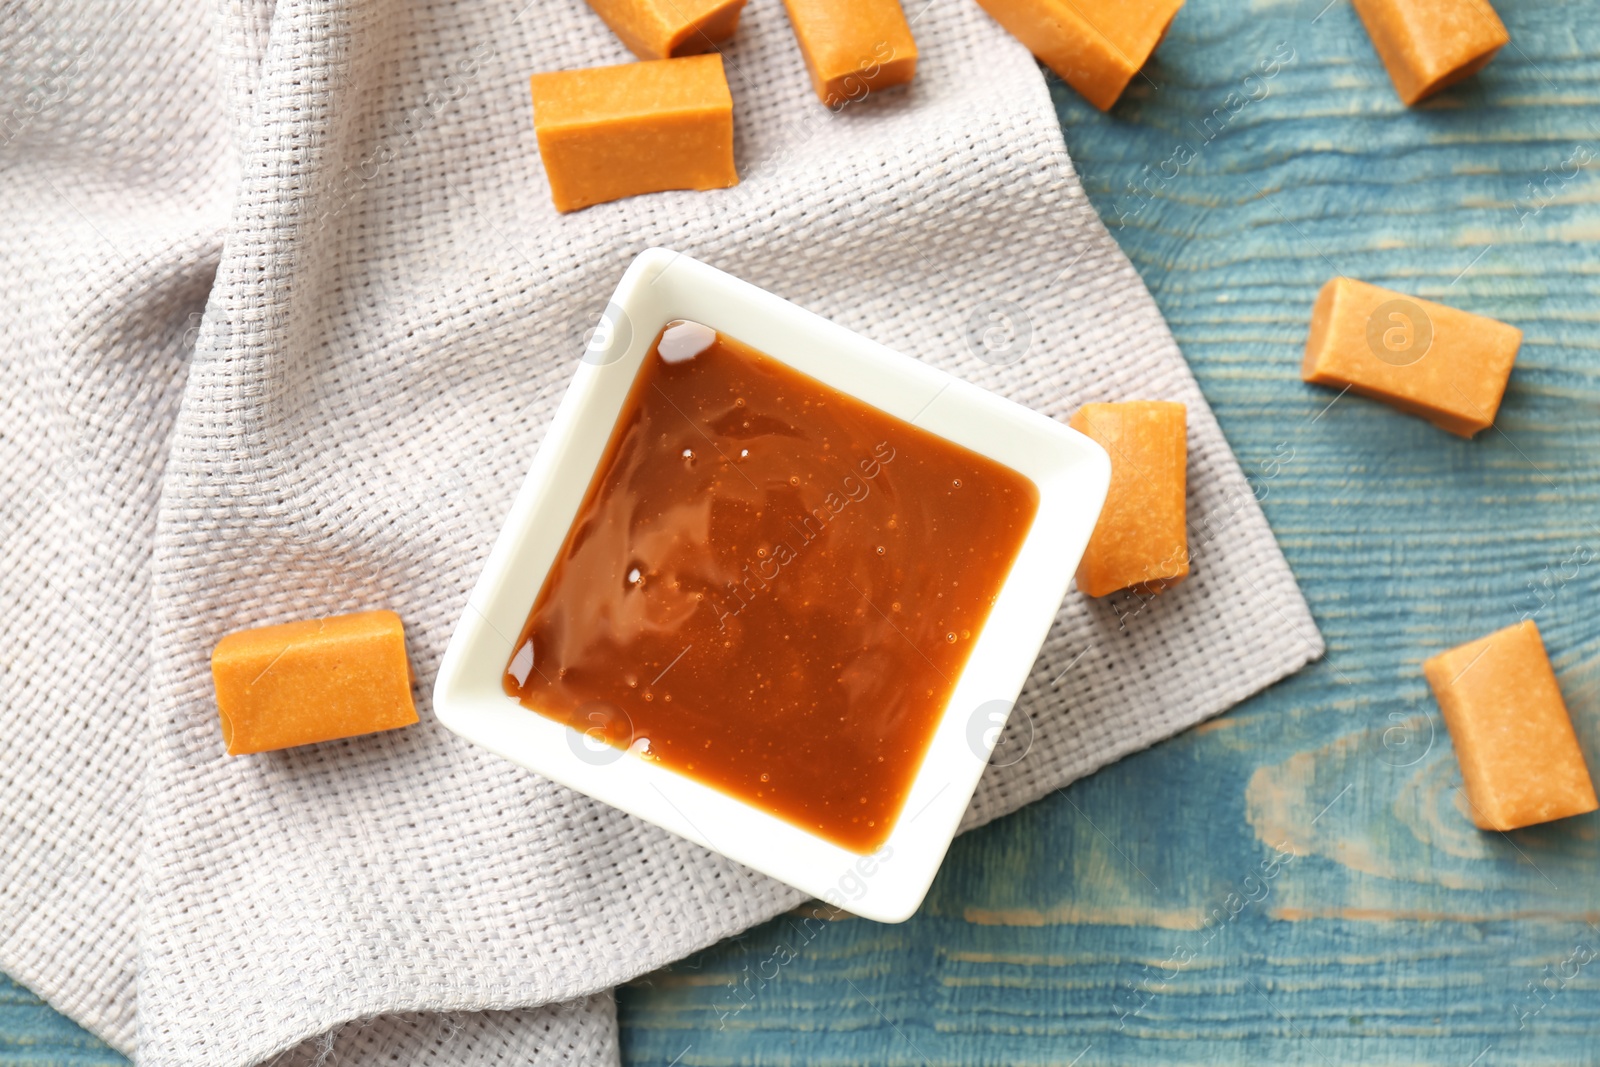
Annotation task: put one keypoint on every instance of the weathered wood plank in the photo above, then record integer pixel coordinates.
(31, 1035)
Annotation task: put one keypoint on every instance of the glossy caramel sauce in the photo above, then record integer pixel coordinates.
(770, 587)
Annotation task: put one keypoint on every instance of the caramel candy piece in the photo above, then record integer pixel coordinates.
(1429, 44)
(1447, 366)
(853, 47)
(1141, 540)
(610, 132)
(298, 683)
(1097, 46)
(660, 29)
(1519, 757)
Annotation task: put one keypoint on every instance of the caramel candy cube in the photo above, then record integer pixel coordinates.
(1519, 757)
(1447, 366)
(1429, 44)
(1097, 46)
(298, 683)
(853, 47)
(610, 132)
(1141, 540)
(661, 29)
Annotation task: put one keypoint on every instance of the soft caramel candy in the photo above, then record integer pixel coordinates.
(1097, 46)
(610, 132)
(660, 29)
(1519, 757)
(298, 683)
(1429, 44)
(853, 47)
(1141, 541)
(1447, 366)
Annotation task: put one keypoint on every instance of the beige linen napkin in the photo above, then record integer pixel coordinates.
(287, 311)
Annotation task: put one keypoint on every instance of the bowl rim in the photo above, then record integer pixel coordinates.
(1071, 472)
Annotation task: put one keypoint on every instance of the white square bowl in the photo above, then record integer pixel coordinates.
(1070, 471)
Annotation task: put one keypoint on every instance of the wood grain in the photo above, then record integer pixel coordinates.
(1295, 882)
(31, 1035)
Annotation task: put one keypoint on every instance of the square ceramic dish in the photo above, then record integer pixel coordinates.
(1070, 471)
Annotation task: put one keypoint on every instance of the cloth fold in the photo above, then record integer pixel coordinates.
(287, 313)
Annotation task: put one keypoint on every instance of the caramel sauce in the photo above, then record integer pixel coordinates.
(770, 587)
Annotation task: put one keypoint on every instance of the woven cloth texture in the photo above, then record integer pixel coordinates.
(286, 312)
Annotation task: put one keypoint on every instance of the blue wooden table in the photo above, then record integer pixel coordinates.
(1205, 902)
